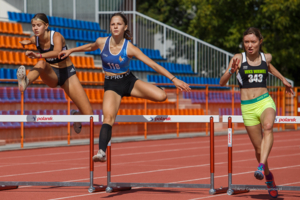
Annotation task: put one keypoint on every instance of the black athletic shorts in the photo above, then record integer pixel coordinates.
(121, 84)
(64, 73)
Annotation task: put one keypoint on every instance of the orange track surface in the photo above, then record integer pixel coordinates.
(159, 161)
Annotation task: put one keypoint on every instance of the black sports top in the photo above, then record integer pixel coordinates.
(50, 60)
(253, 76)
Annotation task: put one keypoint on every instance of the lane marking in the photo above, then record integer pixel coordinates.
(80, 168)
(133, 147)
(170, 150)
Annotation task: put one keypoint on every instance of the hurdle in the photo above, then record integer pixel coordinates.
(167, 119)
(236, 189)
(6, 185)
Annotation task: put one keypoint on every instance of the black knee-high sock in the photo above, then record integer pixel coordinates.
(105, 136)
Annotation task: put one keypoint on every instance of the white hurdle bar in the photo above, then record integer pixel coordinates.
(168, 119)
(236, 189)
(5, 185)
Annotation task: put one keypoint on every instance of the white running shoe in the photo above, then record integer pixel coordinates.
(22, 78)
(100, 157)
(76, 125)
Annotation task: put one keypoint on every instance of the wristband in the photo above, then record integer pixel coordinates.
(173, 78)
(230, 71)
(40, 55)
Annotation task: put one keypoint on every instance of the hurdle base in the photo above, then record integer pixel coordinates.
(237, 191)
(102, 188)
(218, 190)
(8, 187)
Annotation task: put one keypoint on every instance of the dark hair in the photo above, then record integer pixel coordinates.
(42, 17)
(256, 32)
(127, 33)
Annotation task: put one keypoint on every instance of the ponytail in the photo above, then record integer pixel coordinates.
(127, 35)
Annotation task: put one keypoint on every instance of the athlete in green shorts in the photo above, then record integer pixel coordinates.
(258, 108)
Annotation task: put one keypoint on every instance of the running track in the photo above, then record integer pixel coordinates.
(166, 161)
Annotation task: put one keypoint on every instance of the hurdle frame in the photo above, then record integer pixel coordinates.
(169, 119)
(6, 185)
(235, 188)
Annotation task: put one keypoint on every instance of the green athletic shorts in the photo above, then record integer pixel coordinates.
(253, 108)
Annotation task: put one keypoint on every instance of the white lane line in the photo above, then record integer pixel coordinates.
(290, 183)
(211, 196)
(203, 165)
(78, 196)
(139, 153)
(220, 176)
(130, 154)
(133, 147)
(80, 168)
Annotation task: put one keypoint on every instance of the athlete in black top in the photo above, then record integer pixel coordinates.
(258, 107)
(53, 71)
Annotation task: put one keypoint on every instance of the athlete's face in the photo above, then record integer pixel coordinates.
(117, 26)
(38, 27)
(251, 44)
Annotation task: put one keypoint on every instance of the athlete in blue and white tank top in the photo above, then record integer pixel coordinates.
(258, 108)
(54, 72)
(117, 51)
(115, 63)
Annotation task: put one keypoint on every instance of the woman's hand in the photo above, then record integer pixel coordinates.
(32, 54)
(235, 65)
(63, 54)
(181, 85)
(288, 87)
(25, 42)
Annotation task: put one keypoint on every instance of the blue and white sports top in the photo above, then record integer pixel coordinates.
(118, 63)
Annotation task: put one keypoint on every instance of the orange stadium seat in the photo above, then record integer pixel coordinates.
(13, 42)
(30, 61)
(23, 59)
(101, 93)
(11, 28)
(82, 62)
(98, 95)
(90, 77)
(95, 77)
(85, 76)
(4, 27)
(72, 60)
(101, 77)
(2, 41)
(80, 76)
(90, 62)
(150, 111)
(19, 45)
(78, 62)
(11, 58)
(18, 58)
(92, 95)
(181, 112)
(18, 29)
(122, 112)
(140, 112)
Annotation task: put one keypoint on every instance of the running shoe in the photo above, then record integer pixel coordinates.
(76, 125)
(100, 156)
(22, 78)
(259, 173)
(272, 189)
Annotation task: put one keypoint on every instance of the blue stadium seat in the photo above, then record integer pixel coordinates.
(11, 95)
(11, 16)
(3, 95)
(59, 95)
